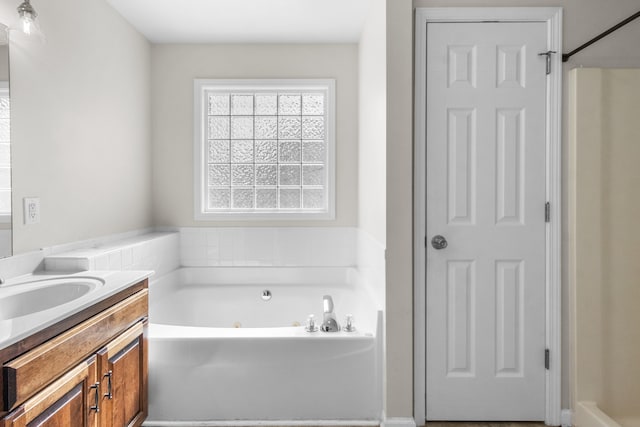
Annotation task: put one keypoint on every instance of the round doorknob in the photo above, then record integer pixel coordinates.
(439, 242)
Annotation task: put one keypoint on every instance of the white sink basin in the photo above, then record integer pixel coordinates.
(38, 295)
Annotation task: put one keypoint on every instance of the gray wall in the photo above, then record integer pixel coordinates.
(173, 69)
(372, 148)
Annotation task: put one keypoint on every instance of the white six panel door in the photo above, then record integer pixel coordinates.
(486, 100)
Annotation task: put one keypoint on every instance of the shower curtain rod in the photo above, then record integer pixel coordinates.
(566, 56)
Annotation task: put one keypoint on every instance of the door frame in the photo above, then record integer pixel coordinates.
(552, 16)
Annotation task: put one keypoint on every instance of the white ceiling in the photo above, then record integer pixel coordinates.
(246, 21)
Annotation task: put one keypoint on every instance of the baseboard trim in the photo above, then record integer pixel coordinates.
(566, 418)
(398, 422)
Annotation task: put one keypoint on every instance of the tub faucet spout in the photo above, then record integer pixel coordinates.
(329, 323)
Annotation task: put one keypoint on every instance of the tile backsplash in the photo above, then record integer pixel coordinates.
(371, 266)
(268, 246)
(156, 251)
(164, 251)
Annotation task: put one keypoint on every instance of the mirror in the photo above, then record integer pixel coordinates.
(5, 148)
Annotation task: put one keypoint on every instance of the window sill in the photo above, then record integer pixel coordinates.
(259, 216)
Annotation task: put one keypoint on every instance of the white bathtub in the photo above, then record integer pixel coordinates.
(218, 352)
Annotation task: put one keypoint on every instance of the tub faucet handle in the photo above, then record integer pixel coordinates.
(311, 324)
(348, 327)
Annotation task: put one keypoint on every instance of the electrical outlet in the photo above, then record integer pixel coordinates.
(31, 210)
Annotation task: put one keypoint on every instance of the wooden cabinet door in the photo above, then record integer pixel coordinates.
(123, 367)
(69, 401)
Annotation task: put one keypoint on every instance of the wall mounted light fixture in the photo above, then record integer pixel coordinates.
(28, 16)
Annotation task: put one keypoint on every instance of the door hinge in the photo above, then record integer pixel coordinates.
(547, 212)
(547, 56)
(546, 359)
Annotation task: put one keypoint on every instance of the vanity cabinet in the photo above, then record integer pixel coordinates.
(94, 374)
(69, 401)
(123, 367)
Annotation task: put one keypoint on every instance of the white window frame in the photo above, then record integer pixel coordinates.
(200, 146)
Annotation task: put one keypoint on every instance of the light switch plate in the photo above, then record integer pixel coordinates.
(31, 210)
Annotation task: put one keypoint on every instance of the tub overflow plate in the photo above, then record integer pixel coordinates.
(266, 295)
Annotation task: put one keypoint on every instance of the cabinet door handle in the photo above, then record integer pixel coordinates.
(96, 407)
(109, 393)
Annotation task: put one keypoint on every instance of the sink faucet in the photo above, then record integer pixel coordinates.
(329, 322)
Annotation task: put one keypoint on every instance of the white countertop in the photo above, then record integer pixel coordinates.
(18, 328)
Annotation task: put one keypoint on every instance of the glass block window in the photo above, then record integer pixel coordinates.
(265, 149)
